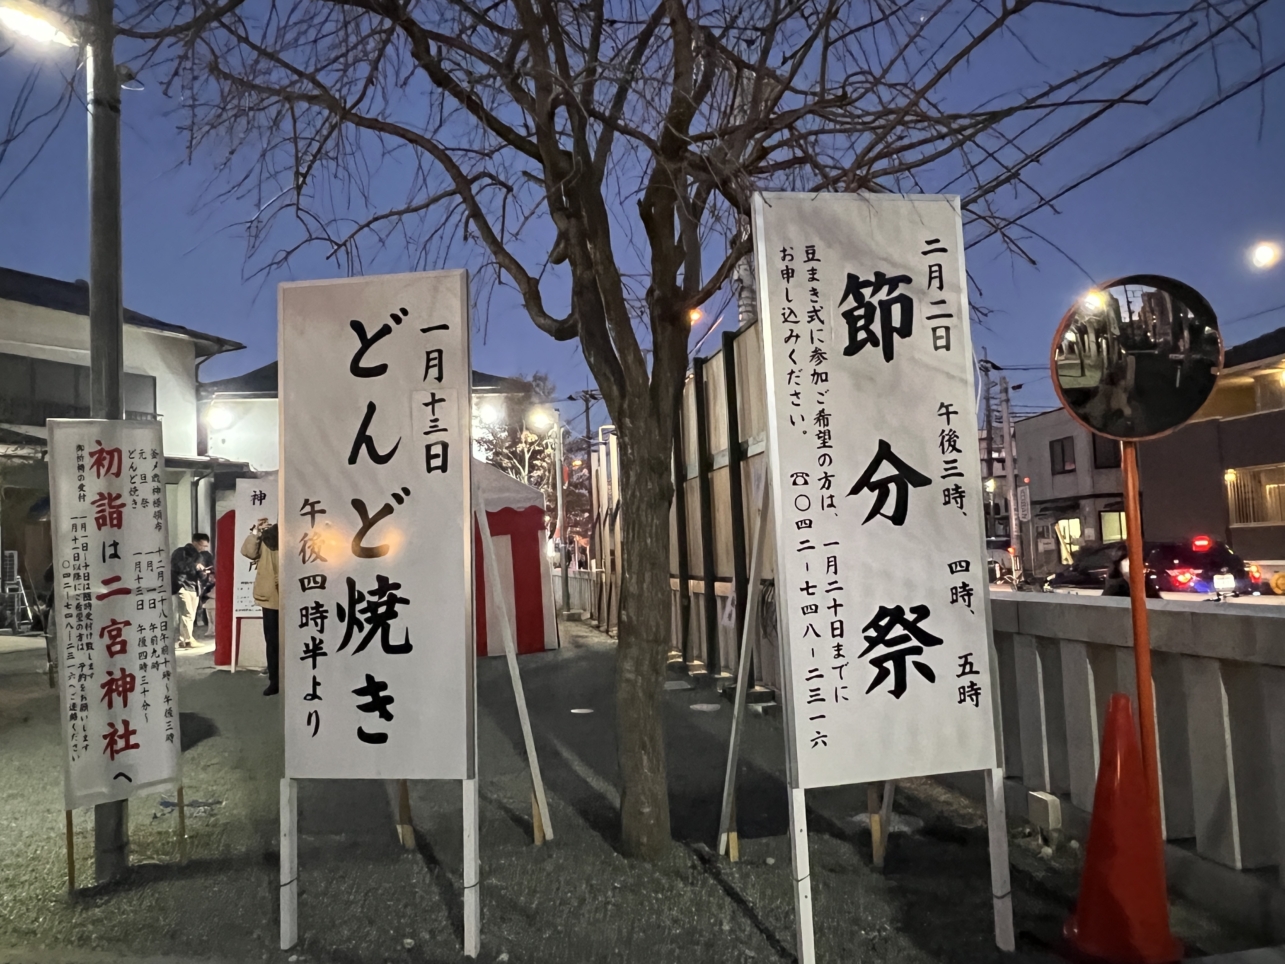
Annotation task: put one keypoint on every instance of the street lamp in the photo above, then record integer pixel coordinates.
(106, 314)
(35, 23)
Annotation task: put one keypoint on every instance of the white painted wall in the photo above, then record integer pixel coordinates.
(250, 433)
(169, 358)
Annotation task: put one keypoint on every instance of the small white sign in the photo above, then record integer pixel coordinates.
(256, 499)
(1023, 503)
(877, 490)
(376, 527)
(112, 609)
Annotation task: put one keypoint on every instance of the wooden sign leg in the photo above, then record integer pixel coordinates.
(1001, 887)
(492, 569)
(472, 872)
(289, 864)
(71, 855)
(805, 944)
(537, 825)
(182, 826)
(727, 816)
(874, 810)
(405, 827)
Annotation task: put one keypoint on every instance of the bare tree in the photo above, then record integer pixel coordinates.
(602, 156)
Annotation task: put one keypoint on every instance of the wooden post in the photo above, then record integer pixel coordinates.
(472, 872)
(289, 863)
(733, 838)
(182, 826)
(1001, 886)
(71, 855)
(405, 827)
(1141, 634)
(705, 497)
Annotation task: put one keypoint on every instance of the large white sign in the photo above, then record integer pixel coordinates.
(877, 488)
(255, 499)
(117, 690)
(376, 540)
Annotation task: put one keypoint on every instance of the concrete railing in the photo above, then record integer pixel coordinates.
(1219, 675)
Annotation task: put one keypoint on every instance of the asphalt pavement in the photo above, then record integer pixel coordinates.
(364, 898)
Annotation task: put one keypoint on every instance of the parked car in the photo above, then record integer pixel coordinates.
(1171, 567)
(1089, 568)
(1203, 565)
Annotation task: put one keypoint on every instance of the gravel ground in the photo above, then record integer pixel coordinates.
(366, 899)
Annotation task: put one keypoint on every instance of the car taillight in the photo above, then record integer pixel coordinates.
(1182, 577)
(1255, 573)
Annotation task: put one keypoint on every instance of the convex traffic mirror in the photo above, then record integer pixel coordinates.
(1137, 357)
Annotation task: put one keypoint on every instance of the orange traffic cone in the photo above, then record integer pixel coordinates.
(1122, 914)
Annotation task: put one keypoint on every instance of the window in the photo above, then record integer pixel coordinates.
(1113, 527)
(1068, 538)
(34, 389)
(1256, 495)
(1106, 453)
(1062, 455)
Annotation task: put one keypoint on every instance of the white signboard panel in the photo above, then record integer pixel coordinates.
(876, 487)
(376, 547)
(255, 499)
(1023, 503)
(117, 690)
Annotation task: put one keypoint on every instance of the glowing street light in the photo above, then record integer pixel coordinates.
(1094, 301)
(489, 414)
(1265, 254)
(35, 23)
(694, 316)
(540, 419)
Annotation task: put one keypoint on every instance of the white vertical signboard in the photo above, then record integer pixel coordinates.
(255, 499)
(877, 498)
(117, 675)
(877, 486)
(376, 540)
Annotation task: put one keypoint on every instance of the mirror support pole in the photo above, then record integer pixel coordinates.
(1141, 634)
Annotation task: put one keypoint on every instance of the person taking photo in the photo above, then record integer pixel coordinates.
(261, 547)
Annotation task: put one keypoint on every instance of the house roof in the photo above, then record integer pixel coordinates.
(263, 381)
(1269, 345)
(73, 297)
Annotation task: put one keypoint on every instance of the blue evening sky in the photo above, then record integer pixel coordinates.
(1189, 207)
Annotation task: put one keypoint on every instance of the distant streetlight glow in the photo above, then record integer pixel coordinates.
(219, 417)
(1265, 254)
(694, 316)
(34, 23)
(540, 419)
(1094, 301)
(1229, 475)
(489, 414)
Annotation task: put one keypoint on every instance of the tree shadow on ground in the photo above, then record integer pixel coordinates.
(195, 729)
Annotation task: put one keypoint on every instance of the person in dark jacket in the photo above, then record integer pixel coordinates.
(187, 568)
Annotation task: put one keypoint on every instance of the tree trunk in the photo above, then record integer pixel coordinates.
(643, 647)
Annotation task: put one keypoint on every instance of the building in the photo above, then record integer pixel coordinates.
(239, 415)
(1077, 493)
(1223, 474)
(44, 373)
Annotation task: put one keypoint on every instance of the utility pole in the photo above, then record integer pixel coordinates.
(562, 523)
(985, 366)
(588, 397)
(1010, 469)
(106, 324)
